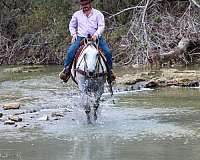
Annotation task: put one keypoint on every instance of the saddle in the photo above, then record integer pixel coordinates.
(79, 51)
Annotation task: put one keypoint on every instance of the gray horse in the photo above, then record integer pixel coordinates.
(89, 71)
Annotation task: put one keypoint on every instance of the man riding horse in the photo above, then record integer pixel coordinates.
(87, 21)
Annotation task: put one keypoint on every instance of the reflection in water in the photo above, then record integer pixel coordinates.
(155, 124)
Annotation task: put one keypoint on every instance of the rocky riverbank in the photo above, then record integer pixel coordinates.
(162, 78)
(152, 78)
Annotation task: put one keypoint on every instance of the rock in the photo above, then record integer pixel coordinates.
(172, 82)
(44, 118)
(9, 122)
(32, 111)
(11, 106)
(163, 78)
(130, 82)
(128, 79)
(183, 82)
(194, 84)
(1, 114)
(151, 84)
(139, 80)
(15, 118)
(161, 81)
(56, 118)
(57, 114)
(68, 110)
(19, 113)
(25, 99)
(139, 85)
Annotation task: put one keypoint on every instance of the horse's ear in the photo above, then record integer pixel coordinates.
(97, 42)
(85, 41)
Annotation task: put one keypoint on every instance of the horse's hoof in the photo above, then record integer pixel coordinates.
(89, 121)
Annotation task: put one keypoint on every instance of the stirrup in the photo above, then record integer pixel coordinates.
(113, 77)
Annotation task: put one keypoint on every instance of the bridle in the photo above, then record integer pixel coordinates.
(95, 74)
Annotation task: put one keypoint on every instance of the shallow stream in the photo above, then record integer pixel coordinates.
(160, 124)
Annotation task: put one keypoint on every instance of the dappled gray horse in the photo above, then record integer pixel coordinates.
(89, 72)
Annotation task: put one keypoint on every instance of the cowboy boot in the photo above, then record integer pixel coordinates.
(65, 74)
(112, 76)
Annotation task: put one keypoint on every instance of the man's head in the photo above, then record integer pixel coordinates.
(85, 5)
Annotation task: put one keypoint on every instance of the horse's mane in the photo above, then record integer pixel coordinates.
(91, 43)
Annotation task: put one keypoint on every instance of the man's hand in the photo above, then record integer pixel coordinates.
(74, 37)
(94, 37)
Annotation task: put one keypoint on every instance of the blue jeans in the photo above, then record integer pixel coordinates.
(71, 52)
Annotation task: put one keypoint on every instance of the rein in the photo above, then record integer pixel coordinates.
(95, 76)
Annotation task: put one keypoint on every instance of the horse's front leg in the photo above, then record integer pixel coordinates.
(97, 102)
(87, 110)
(88, 117)
(86, 105)
(96, 106)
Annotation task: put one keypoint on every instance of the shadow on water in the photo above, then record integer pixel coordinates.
(147, 124)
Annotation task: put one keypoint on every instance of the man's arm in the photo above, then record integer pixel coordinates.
(101, 25)
(73, 25)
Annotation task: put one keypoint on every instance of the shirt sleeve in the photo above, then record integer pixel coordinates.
(101, 25)
(73, 24)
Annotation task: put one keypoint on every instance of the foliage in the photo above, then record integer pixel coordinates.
(35, 31)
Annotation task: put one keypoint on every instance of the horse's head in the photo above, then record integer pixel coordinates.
(91, 58)
(91, 63)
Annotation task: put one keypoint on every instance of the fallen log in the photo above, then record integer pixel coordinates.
(177, 54)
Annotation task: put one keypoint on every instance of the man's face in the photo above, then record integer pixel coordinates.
(86, 7)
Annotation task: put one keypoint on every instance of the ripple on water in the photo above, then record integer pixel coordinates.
(126, 123)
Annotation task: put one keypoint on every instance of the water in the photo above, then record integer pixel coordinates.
(158, 124)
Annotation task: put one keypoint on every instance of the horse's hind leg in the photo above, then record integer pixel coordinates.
(95, 111)
(96, 106)
(87, 111)
(88, 117)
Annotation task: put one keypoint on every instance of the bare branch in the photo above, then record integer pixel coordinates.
(195, 3)
(127, 9)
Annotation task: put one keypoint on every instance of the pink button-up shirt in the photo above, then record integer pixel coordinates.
(82, 25)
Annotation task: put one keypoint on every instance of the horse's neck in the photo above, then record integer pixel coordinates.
(81, 61)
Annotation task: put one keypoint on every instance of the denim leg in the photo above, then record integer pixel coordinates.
(71, 52)
(104, 46)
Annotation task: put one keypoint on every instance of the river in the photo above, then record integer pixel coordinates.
(159, 124)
